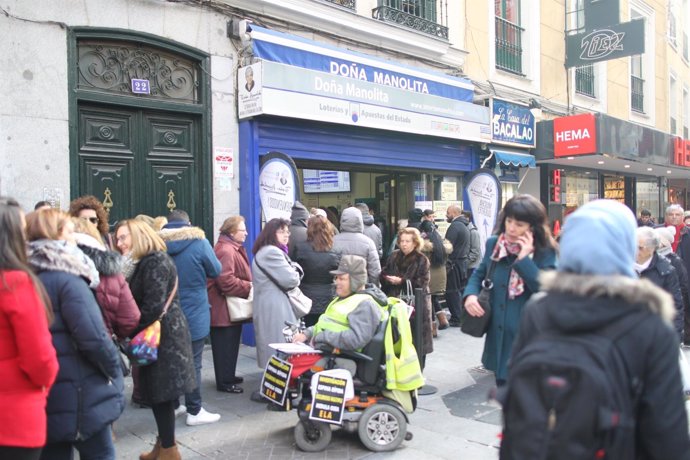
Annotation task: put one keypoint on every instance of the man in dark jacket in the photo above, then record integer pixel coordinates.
(459, 236)
(195, 262)
(298, 227)
(596, 286)
(658, 270)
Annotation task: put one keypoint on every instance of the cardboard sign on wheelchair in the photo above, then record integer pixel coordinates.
(274, 383)
(330, 389)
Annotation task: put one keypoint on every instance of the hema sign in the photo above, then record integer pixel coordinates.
(612, 42)
(574, 135)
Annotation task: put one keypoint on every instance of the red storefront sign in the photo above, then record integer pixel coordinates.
(556, 186)
(681, 152)
(574, 135)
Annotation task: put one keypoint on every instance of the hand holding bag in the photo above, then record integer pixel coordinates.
(301, 304)
(240, 309)
(142, 349)
(476, 326)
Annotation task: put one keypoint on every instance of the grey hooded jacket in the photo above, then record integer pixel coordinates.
(351, 240)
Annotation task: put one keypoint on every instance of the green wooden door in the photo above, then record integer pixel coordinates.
(140, 161)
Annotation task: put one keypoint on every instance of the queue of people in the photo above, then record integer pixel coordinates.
(87, 290)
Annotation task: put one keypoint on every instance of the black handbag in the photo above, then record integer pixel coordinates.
(476, 326)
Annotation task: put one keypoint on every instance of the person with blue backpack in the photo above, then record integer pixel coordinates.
(594, 371)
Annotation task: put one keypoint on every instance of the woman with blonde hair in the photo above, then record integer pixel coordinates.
(88, 395)
(120, 312)
(28, 363)
(153, 283)
(409, 264)
(235, 280)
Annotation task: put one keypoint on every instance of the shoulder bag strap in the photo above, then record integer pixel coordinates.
(169, 301)
(488, 282)
(269, 276)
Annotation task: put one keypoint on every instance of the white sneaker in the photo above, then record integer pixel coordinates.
(180, 410)
(202, 418)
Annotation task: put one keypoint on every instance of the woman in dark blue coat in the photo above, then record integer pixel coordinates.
(87, 396)
(521, 248)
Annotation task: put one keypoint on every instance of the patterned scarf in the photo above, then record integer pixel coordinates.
(502, 249)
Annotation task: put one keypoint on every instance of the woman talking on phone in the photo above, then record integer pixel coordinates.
(519, 249)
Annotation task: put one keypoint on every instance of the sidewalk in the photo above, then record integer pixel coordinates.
(456, 422)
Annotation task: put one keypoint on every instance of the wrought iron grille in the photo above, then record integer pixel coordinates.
(111, 66)
(349, 4)
(420, 15)
(584, 81)
(637, 94)
(508, 46)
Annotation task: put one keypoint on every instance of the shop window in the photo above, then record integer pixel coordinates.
(614, 188)
(647, 196)
(509, 36)
(580, 188)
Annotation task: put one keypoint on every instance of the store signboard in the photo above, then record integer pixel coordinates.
(512, 124)
(575, 135)
(249, 86)
(278, 188)
(603, 44)
(681, 152)
(482, 196)
(307, 94)
(296, 51)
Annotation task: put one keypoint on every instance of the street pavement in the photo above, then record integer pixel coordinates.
(456, 422)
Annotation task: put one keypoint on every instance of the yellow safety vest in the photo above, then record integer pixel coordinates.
(403, 371)
(335, 317)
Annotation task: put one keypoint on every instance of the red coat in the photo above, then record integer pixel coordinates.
(235, 279)
(120, 312)
(28, 363)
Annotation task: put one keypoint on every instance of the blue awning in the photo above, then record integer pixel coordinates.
(514, 158)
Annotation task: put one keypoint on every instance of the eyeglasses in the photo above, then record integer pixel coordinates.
(122, 238)
(285, 231)
(93, 220)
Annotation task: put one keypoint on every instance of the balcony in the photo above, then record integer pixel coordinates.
(584, 81)
(508, 46)
(349, 4)
(636, 94)
(419, 15)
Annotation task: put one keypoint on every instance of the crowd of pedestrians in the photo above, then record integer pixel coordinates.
(86, 290)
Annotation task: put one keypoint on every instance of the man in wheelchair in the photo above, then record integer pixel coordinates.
(353, 317)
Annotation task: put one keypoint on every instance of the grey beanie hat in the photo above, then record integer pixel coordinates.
(356, 267)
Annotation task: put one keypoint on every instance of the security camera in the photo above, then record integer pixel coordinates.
(240, 28)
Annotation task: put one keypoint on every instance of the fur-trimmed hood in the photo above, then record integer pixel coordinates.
(178, 239)
(589, 301)
(107, 262)
(428, 246)
(53, 255)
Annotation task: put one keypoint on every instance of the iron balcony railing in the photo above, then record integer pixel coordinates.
(637, 94)
(349, 4)
(584, 81)
(508, 46)
(426, 16)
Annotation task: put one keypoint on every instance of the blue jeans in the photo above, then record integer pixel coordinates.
(97, 447)
(193, 399)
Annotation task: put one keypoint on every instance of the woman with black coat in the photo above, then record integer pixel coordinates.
(88, 395)
(409, 264)
(153, 282)
(317, 257)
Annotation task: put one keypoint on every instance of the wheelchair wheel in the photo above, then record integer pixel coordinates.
(382, 427)
(312, 436)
